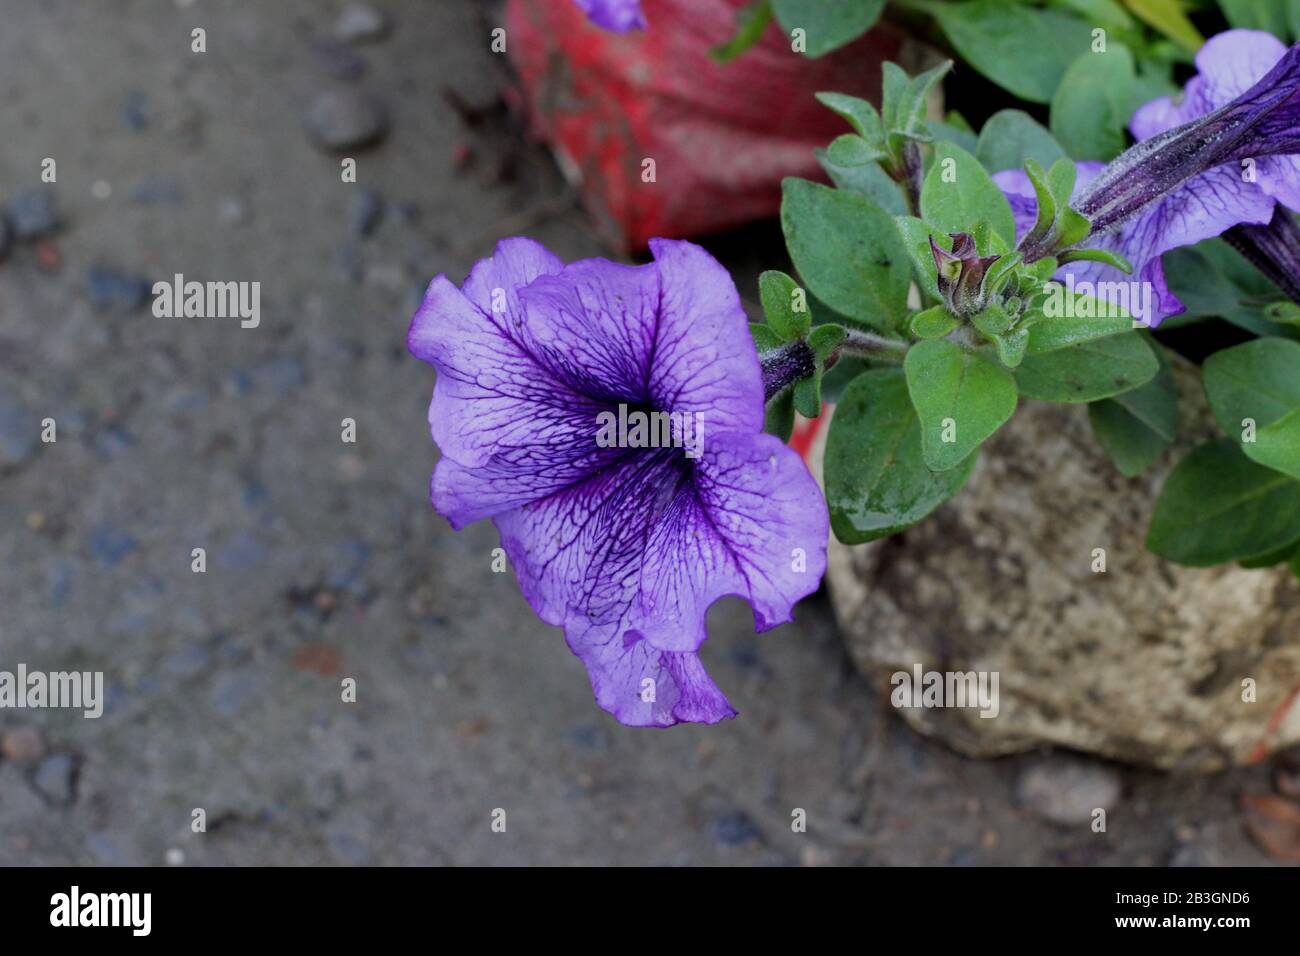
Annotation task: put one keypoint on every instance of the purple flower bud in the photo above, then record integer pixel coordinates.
(1262, 121)
(1273, 249)
(961, 273)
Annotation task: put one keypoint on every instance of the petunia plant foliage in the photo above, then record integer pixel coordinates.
(963, 280)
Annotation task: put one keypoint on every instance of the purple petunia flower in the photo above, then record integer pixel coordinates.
(1273, 249)
(619, 16)
(1185, 181)
(624, 547)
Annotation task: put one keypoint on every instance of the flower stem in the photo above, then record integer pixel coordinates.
(793, 361)
(869, 345)
(784, 366)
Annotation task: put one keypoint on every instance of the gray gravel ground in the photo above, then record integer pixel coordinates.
(324, 559)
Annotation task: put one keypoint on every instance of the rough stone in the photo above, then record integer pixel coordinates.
(360, 23)
(54, 779)
(23, 745)
(346, 118)
(33, 213)
(1142, 663)
(1068, 790)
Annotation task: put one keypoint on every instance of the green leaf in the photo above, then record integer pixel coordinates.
(961, 398)
(1105, 13)
(1021, 49)
(1071, 228)
(934, 323)
(1217, 505)
(859, 113)
(993, 321)
(848, 251)
(916, 235)
(779, 419)
(1000, 273)
(1093, 104)
(1046, 217)
(1012, 136)
(903, 103)
(751, 20)
(1277, 445)
(1284, 553)
(1011, 347)
(958, 193)
(1097, 255)
(1089, 371)
(1258, 381)
(1167, 16)
(1136, 427)
(827, 26)
(785, 305)
(849, 150)
(807, 394)
(944, 129)
(1284, 313)
(765, 337)
(1068, 323)
(869, 181)
(1269, 15)
(825, 338)
(877, 482)
(1212, 280)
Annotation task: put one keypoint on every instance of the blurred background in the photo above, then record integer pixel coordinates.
(325, 560)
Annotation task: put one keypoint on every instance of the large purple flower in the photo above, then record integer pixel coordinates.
(624, 547)
(617, 15)
(1140, 223)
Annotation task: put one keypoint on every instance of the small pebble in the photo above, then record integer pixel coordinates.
(106, 849)
(23, 745)
(340, 60)
(157, 190)
(33, 213)
(110, 289)
(734, 828)
(367, 212)
(54, 779)
(19, 429)
(360, 23)
(1066, 790)
(231, 211)
(109, 545)
(346, 118)
(134, 113)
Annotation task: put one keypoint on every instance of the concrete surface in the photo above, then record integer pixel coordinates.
(325, 560)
